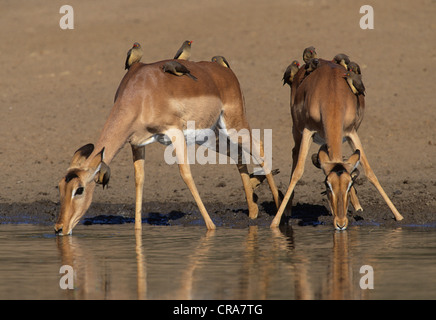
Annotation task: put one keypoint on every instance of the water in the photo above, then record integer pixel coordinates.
(114, 262)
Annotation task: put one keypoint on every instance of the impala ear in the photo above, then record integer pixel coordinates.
(81, 155)
(104, 174)
(315, 161)
(323, 157)
(355, 174)
(101, 171)
(353, 160)
(324, 160)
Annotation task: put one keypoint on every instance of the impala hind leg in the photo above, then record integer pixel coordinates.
(179, 144)
(254, 147)
(295, 153)
(269, 177)
(138, 163)
(354, 200)
(353, 193)
(296, 175)
(371, 175)
(224, 149)
(253, 209)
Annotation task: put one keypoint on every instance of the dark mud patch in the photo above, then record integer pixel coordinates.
(233, 215)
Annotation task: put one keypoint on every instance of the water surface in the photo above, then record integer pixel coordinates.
(161, 262)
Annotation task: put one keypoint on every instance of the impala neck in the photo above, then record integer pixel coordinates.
(333, 136)
(116, 132)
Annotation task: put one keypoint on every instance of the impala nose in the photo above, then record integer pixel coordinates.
(341, 224)
(58, 230)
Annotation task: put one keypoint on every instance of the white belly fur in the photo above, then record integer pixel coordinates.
(205, 137)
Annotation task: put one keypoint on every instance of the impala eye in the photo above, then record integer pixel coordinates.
(79, 191)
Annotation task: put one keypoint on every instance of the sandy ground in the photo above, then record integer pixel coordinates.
(57, 89)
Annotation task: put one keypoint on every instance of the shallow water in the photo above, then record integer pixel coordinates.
(114, 262)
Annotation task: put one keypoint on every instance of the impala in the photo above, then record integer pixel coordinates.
(151, 105)
(325, 110)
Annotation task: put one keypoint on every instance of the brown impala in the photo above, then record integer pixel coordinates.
(151, 105)
(324, 108)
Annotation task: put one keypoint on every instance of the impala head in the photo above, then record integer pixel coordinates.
(340, 177)
(77, 186)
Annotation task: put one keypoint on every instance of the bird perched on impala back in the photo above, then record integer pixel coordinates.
(184, 52)
(177, 69)
(221, 60)
(309, 53)
(342, 59)
(290, 72)
(311, 65)
(355, 82)
(354, 67)
(133, 55)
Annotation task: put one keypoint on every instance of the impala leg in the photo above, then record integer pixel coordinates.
(353, 194)
(269, 178)
(354, 200)
(254, 147)
(371, 175)
(138, 163)
(296, 175)
(253, 209)
(295, 153)
(179, 144)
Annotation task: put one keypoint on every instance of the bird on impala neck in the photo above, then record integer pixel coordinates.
(354, 67)
(290, 72)
(133, 55)
(184, 52)
(309, 53)
(178, 69)
(342, 59)
(355, 82)
(311, 65)
(221, 60)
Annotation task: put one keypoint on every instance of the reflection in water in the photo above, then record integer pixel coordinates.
(141, 266)
(116, 262)
(195, 262)
(255, 271)
(89, 280)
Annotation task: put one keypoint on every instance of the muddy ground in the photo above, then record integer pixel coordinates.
(57, 88)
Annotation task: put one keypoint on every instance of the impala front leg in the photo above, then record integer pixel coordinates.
(138, 163)
(296, 175)
(372, 177)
